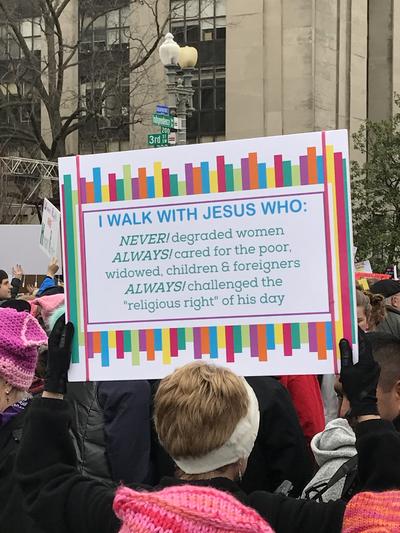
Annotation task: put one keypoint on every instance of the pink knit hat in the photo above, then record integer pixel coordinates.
(47, 305)
(20, 337)
(185, 508)
(373, 512)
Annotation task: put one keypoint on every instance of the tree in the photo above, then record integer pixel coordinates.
(40, 56)
(376, 192)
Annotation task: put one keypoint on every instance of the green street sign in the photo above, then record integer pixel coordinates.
(165, 130)
(157, 139)
(163, 120)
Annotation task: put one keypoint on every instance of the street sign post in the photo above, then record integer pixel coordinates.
(172, 138)
(157, 139)
(165, 121)
(162, 109)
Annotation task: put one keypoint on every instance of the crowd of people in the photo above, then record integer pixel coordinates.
(203, 450)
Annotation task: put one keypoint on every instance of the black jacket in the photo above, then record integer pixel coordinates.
(280, 452)
(111, 426)
(13, 515)
(62, 500)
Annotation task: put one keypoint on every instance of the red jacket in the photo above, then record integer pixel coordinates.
(306, 396)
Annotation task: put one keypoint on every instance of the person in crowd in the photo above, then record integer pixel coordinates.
(386, 351)
(334, 448)
(373, 512)
(111, 426)
(370, 310)
(280, 451)
(390, 290)
(8, 290)
(50, 281)
(48, 309)
(307, 400)
(207, 419)
(20, 338)
(188, 509)
(111, 423)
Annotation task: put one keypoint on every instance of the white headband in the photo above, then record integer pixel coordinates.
(238, 446)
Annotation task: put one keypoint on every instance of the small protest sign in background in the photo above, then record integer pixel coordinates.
(50, 229)
(238, 253)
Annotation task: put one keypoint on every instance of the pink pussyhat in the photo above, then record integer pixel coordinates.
(47, 305)
(20, 338)
(184, 509)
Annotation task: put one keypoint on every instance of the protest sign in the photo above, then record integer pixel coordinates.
(392, 271)
(237, 252)
(22, 248)
(363, 266)
(50, 229)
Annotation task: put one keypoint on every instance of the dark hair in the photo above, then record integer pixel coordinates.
(386, 351)
(19, 305)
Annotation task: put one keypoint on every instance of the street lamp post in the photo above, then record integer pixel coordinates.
(179, 64)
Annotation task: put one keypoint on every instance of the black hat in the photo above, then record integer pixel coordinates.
(3, 275)
(386, 287)
(19, 305)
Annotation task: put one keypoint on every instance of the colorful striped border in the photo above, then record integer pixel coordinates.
(328, 168)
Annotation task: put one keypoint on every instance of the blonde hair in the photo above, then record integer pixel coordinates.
(197, 408)
(373, 305)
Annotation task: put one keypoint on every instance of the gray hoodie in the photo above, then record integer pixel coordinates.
(331, 448)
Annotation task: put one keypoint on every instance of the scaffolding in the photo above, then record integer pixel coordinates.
(23, 185)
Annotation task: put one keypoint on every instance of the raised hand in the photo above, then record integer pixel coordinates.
(53, 267)
(59, 356)
(17, 271)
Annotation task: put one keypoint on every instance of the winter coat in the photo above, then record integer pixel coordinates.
(111, 426)
(307, 400)
(63, 500)
(13, 514)
(391, 323)
(331, 448)
(280, 452)
(47, 283)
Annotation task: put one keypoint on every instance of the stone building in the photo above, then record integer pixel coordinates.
(266, 67)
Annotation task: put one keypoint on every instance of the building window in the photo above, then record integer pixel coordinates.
(209, 103)
(202, 23)
(109, 102)
(105, 32)
(198, 20)
(107, 112)
(31, 32)
(18, 106)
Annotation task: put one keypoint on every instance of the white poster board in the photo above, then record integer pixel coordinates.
(50, 229)
(238, 252)
(20, 245)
